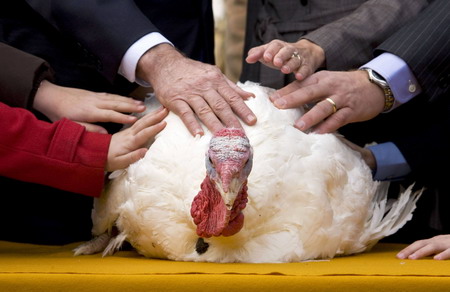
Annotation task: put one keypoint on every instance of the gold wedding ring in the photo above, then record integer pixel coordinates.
(332, 103)
(296, 55)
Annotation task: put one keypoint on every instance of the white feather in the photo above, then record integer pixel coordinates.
(310, 196)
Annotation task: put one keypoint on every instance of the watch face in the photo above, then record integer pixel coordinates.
(376, 75)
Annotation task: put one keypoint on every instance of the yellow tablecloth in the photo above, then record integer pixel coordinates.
(28, 267)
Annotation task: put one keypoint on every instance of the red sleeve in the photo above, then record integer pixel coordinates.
(62, 155)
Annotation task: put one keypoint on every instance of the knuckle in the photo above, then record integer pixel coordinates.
(213, 73)
(203, 110)
(220, 106)
(184, 113)
(340, 119)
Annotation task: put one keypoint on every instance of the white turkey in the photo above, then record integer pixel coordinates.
(270, 194)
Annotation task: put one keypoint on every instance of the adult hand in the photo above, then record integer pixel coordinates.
(302, 58)
(339, 97)
(366, 154)
(438, 246)
(193, 89)
(85, 107)
(126, 146)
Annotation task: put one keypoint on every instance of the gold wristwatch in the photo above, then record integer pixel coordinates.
(377, 79)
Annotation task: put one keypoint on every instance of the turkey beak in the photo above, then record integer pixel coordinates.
(230, 186)
(230, 196)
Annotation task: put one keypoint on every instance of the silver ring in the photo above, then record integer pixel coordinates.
(296, 55)
(332, 103)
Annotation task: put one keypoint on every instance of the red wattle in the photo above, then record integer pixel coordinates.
(211, 215)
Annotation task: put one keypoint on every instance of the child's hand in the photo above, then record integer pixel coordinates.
(126, 146)
(85, 107)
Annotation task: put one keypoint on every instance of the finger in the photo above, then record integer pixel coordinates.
(93, 128)
(238, 106)
(112, 116)
(424, 251)
(119, 98)
(445, 255)
(284, 55)
(314, 116)
(410, 249)
(123, 161)
(128, 106)
(244, 94)
(303, 72)
(223, 109)
(291, 87)
(149, 120)
(303, 94)
(255, 54)
(204, 112)
(187, 116)
(148, 133)
(291, 65)
(272, 51)
(333, 122)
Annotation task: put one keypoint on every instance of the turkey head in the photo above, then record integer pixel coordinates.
(217, 208)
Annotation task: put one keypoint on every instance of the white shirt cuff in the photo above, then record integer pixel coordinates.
(129, 61)
(398, 75)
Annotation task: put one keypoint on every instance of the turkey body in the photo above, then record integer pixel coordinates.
(309, 197)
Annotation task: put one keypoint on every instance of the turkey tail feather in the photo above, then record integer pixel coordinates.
(389, 215)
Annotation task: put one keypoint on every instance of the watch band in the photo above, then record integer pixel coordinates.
(378, 80)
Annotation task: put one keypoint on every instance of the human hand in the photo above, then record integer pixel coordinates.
(366, 154)
(438, 246)
(355, 99)
(85, 107)
(126, 146)
(302, 58)
(193, 89)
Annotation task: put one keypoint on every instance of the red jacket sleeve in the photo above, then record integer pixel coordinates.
(62, 155)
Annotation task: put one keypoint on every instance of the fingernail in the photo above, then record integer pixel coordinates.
(400, 256)
(251, 119)
(300, 125)
(412, 257)
(268, 57)
(279, 102)
(198, 132)
(274, 96)
(285, 69)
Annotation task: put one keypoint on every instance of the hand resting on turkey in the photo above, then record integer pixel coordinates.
(271, 194)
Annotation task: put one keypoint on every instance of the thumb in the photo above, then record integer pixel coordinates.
(124, 161)
(93, 128)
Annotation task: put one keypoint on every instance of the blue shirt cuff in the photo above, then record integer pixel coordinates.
(398, 75)
(391, 164)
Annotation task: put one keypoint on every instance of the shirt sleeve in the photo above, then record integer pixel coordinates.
(391, 164)
(398, 75)
(129, 61)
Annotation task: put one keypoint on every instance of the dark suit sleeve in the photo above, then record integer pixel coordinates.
(349, 42)
(20, 76)
(105, 28)
(424, 44)
(426, 146)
